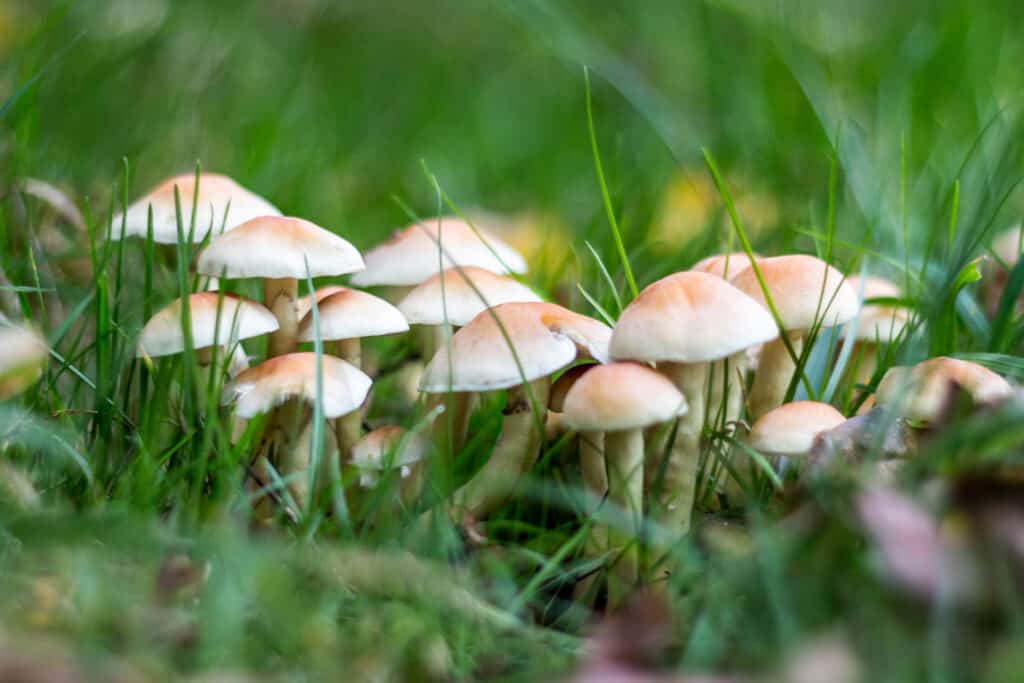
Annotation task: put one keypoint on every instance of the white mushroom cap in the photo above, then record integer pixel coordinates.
(412, 255)
(790, 429)
(621, 396)
(425, 304)
(877, 322)
(238, 319)
(804, 290)
(376, 450)
(23, 355)
(690, 317)
(351, 314)
(546, 338)
(217, 194)
(304, 303)
(293, 376)
(919, 392)
(278, 247)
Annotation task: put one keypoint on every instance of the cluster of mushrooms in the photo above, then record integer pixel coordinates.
(711, 348)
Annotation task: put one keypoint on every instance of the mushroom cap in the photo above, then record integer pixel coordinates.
(22, 359)
(877, 322)
(561, 386)
(690, 317)
(918, 392)
(278, 247)
(790, 429)
(217, 194)
(425, 305)
(724, 266)
(376, 450)
(262, 388)
(1008, 245)
(546, 338)
(621, 396)
(352, 314)
(412, 255)
(304, 303)
(804, 289)
(239, 319)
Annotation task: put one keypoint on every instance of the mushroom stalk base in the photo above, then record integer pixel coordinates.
(624, 453)
(513, 455)
(350, 350)
(451, 427)
(678, 486)
(279, 295)
(774, 373)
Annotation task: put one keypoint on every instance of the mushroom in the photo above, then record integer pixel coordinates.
(685, 322)
(391, 448)
(345, 317)
(545, 338)
(287, 385)
(221, 201)
(789, 430)
(877, 324)
(279, 250)
(414, 254)
(620, 400)
(21, 361)
(215, 320)
(724, 266)
(805, 292)
(447, 301)
(919, 393)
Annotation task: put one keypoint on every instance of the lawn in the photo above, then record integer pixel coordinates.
(152, 527)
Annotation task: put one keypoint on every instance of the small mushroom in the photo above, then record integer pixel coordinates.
(221, 202)
(545, 338)
(287, 385)
(725, 266)
(876, 325)
(280, 251)
(391, 448)
(806, 292)
(789, 430)
(22, 359)
(621, 400)
(685, 322)
(920, 393)
(448, 301)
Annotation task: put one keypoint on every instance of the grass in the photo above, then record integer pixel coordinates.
(879, 137)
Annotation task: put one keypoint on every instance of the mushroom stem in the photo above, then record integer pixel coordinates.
(774, 373)
(454, 421)
(726, 395)
(280, 295)
(348, 429)
(679, 484)
(624, 453)
(514, 454)
(350, 350)
(595, 479)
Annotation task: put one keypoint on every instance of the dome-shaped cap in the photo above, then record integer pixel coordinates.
(724, 266)
(790, 429)
(412, 255)
(304, 303)
(690, 317)
(377, 450)
(239, 318)
(919, 392)
(293, 376)
(23, 355)
(877, 322)
(217, 194)
(546, 338)
(804, 290)
(425, 305)
(278, 247)
(621, 396)
(351, 314)
(561, 386)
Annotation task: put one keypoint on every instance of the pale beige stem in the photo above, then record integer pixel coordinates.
(774, 373)
(595, 479)
(454, 421)
(514, 454)
(679, 483)
(350, 350)
(624, 453)
(279, 295)
(348, 429)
